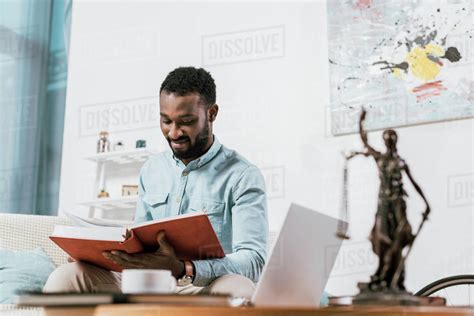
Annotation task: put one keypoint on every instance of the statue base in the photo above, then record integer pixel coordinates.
(385, 297)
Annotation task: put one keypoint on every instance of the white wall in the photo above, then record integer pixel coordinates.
(273, 109)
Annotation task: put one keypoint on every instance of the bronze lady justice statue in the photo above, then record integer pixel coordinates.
(391, 232)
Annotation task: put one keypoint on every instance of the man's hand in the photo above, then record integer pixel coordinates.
(163, 258)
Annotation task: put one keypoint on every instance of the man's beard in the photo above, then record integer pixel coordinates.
(195, 150)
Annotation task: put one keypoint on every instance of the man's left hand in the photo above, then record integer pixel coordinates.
(163, 258)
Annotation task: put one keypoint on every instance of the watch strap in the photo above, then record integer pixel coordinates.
(188, 269)
(188, 276)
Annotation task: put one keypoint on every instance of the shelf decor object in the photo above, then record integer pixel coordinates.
(105, 160)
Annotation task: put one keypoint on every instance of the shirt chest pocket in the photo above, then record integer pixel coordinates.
(214, 211)
(157, 204)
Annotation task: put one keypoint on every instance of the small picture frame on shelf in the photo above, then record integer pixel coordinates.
(141, 143)
(128, 190)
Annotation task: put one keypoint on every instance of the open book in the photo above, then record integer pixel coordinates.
(191, 236)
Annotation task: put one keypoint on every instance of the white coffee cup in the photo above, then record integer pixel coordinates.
(138, 281)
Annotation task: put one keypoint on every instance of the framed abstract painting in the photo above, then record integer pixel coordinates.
(406, 61)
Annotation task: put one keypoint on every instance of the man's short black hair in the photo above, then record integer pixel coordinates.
(185, 80)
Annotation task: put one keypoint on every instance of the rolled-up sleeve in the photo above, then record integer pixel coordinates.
(249, 233)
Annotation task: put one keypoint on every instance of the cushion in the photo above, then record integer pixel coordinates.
(23, 271)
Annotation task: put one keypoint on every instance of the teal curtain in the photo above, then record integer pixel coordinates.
(34, 37)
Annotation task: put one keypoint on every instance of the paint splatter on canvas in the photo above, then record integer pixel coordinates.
(406, 61)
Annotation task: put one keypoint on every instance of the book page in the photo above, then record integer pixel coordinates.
(98, 233)
(96, 222)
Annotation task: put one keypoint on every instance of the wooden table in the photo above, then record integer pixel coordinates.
(68, 311)
(162, 310)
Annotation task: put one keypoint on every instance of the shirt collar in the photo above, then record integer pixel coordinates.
(204, 159)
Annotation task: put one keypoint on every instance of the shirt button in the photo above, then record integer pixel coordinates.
(178, 200)
(204, 210)
(185, 173)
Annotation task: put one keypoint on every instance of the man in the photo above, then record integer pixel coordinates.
(198, 174)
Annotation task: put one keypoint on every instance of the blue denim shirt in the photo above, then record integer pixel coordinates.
(222, 184)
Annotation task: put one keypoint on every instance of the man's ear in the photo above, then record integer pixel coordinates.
(212, 112)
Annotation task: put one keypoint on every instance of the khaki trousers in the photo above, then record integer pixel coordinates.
(82, 277)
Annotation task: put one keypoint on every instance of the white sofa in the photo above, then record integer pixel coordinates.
(26, 232)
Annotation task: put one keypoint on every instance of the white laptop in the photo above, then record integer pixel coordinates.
(301, 260)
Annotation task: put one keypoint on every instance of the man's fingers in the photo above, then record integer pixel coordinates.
(121, 262)
(113, 258)
(127, 234)
(125, 256)
(164, 247)
(160, 236)
(120, 257)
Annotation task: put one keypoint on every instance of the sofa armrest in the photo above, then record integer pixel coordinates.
(26, 232)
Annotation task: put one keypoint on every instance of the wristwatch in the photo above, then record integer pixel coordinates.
(188, 276)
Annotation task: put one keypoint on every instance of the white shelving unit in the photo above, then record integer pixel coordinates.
(103, 160)
(124, 202)
(122, 156)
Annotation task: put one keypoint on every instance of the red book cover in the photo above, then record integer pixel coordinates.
(191, 236)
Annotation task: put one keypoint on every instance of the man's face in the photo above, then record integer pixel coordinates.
(185, 123)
